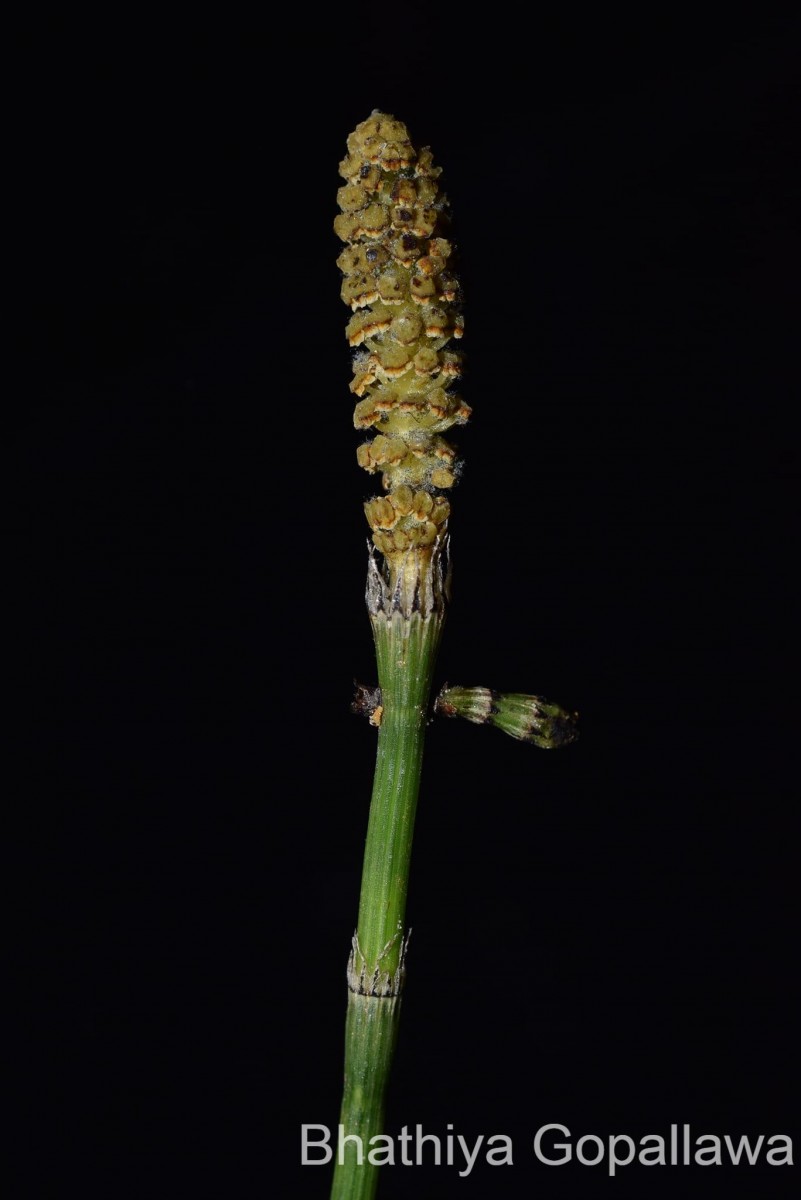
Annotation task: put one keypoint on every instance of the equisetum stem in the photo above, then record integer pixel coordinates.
(371, 1031)
(406, 647)
(405, 652)
(405, 301)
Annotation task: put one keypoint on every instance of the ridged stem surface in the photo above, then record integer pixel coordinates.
(405, 653)
(406, 646)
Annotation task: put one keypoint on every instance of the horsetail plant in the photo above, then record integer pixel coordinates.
(405, 299)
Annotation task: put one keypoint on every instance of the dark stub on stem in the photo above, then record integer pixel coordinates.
(367, 702)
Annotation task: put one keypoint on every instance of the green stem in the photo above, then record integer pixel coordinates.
(406, 646)
(371, 1032)
(405, 652)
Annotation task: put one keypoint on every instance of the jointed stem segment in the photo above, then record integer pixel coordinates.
(406, 647)
(370, 1034)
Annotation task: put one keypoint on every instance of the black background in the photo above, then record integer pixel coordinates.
(603, 937)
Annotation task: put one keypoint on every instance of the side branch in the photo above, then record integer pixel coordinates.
(526, 718)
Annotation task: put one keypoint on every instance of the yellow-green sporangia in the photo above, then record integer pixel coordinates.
(404, 295)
